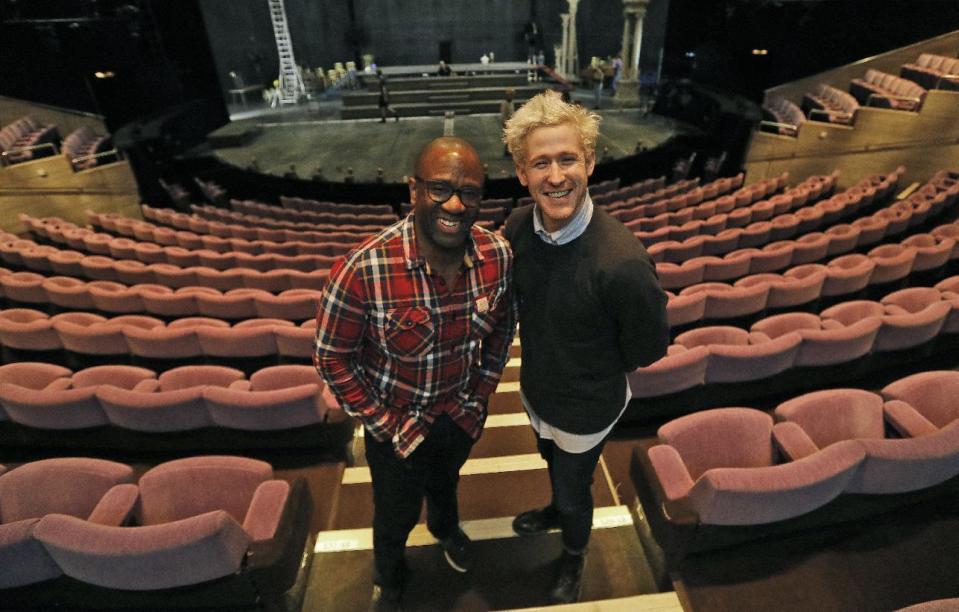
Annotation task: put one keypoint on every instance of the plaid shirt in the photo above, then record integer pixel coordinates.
(398, 348)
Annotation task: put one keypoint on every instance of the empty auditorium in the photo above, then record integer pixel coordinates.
(500, 305)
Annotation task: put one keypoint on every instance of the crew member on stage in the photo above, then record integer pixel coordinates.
(590, 310)
(414, 329)
(384, 99)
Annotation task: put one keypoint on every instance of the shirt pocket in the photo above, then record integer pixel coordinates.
(410, 332)
(482, 315)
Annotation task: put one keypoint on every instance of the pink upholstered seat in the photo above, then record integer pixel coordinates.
(113, 297)
(848, 274)
(680, 369)
(721, 464)
(726, 301)
(27, 329)
(68, 292)
(199, 517)
(893, 262)
(70, 403)
(684, 309)
(892, 465)
(293, 304)
(173, 403)
(94, 489)
(279, 397)
(736, 355)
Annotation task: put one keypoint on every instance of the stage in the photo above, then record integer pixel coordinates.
(311, 136)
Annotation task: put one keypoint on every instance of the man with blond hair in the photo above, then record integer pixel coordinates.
(590, 309)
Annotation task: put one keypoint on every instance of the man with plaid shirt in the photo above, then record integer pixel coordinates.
(413, 332)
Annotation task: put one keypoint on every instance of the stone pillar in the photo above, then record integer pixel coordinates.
(561, 50)
(633, 13)
(572, 49)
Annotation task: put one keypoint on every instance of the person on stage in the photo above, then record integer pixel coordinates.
(444, 69)
(413, 331)
(590, 309)
(384, 99)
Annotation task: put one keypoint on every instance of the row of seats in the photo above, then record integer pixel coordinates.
(625, 197)
(102, 243)
(257, 255)
(742, 473)
(26, 139)
(50, 397)
(86, 333)
(252, 207)
(304, 204)
(933, 71)
(25, 253)
(830, 104)
(623, 193)
(806, 283)
(740, 211)
(194, 225)
(884, 90)
(232, 217)
(811, 247)
(86, 149)
(645, 215)
(785, 116)
(840, 334)
(184, 523)
(68, 293)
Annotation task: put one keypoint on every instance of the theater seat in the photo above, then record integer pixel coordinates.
(172, 403)
(203, 519)
(93, 489)
(279, 397)
(28, 329)
(680, 369)
(891, 465)
(721, 464)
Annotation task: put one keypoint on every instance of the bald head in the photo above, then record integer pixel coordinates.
(449, 148)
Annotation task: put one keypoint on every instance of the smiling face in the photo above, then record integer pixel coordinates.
(556, 171)
(444, 227)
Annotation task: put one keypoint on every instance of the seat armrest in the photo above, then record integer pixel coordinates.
(240, 385)
(265, 510)
(671, 471)
(60, 384)
(907, 420)
(793, 441)
(116, 507)
(147, 386)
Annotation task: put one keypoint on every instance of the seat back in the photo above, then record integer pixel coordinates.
(71, 486)
(189, 487)
(834, 415)
(723, 437)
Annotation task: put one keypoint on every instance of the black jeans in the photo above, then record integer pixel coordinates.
(571, 476)
(432, 470)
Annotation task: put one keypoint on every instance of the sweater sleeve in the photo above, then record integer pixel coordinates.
(638, 304)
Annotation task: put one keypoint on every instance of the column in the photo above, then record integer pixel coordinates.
(633, 13)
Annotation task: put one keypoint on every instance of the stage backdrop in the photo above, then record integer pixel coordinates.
(411, 31)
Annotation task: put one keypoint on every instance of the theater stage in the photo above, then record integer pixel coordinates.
(312, 136)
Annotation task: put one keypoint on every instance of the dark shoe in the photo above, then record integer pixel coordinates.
(383, 120)
(458, 550)
(569, 579)
(537, 521)
(385, 599)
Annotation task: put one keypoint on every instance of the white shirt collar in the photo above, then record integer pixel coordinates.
(571, 231)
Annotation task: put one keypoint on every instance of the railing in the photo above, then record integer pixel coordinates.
(4, 156)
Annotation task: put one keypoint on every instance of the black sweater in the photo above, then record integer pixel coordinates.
(590, 311)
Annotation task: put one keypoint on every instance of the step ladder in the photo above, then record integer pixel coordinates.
(290, 81)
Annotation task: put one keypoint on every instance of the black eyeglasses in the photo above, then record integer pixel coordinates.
(441, 191)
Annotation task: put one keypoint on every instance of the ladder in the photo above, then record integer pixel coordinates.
(290, 82)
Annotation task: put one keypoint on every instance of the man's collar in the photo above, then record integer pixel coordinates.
(411, 250)
(571, 231)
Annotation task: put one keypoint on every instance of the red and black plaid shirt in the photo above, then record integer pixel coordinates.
(398, 348)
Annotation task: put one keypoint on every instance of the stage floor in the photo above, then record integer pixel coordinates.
(311, 136)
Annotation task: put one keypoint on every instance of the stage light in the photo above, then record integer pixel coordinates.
(760, 51)
(690, 54)
(104, 74)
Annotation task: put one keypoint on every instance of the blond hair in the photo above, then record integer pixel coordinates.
(547, 110)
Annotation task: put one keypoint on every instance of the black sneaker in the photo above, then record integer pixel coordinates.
(385, 599)
(458, 550)
(533, 522)
(569, 579)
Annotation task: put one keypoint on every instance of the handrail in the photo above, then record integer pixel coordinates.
(115, 152)
(5, 154)
(892, 97)
(776, 124)
(840, 113)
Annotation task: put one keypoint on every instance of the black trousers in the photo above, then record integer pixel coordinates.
(399, 486)
(571, 477)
